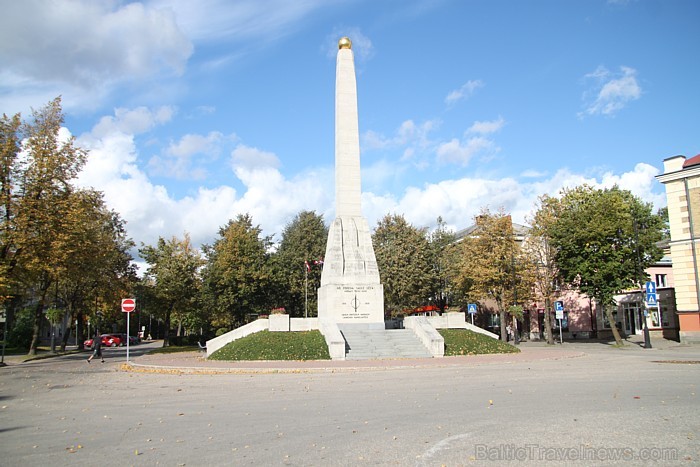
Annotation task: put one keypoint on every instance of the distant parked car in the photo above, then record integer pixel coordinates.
(133, 340)
(108, 340)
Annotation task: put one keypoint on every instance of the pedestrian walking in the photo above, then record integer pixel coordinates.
(96, 349)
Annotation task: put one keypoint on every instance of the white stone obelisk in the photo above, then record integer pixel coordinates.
(350, 291)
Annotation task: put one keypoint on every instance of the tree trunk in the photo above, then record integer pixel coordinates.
(613, 325)
(80, 331)
(66, 332)
(548, 321)
(38, 315)
(166, 338)
(504, 332)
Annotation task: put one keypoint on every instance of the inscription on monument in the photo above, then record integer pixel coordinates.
(355, 301)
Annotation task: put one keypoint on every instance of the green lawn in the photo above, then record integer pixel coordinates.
(464, 342)
(266, 345)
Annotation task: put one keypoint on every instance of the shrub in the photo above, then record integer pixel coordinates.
(192, 339)
(22, 330)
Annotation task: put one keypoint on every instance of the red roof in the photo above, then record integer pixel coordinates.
(692, 162)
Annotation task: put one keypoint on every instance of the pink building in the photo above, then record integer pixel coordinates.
(583, 318)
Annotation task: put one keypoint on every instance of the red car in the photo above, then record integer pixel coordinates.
(108, 340)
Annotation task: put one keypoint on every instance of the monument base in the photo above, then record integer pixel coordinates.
(352, 304)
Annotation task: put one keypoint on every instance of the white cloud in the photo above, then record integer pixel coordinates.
(465, 91)
(457, 201)
(215, 20)
(417, 144)
(196, 144)
(460, 153)
(532, 173)
(415, 138)
(133, 121)
(185, 158)
(610, 92)
(273, 198)
(247, 158)
(640, 182)
(42, 53)
(152, 212)
(487, 127)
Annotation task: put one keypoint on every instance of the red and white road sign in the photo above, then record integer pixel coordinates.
(128, 305)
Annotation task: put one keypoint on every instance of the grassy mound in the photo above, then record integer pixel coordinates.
(465, 342)
(266, 345)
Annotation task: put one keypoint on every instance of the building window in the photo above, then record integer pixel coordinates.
(661, 280)
(654, 312)
(664, 316)
(606, 323)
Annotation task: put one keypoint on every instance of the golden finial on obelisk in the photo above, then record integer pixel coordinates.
(345, 43)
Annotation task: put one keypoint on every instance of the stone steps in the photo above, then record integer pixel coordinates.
(377, 344)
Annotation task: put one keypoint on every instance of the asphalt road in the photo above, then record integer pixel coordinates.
(608, 407)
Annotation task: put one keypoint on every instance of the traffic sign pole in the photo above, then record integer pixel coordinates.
(128, 306)
(559, 309)
(561, 338)
(650, 301)
(127, 337)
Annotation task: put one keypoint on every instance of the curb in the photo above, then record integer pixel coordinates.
(329, 367)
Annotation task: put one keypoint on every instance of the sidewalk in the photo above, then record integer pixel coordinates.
(629, 342)
(16, 359)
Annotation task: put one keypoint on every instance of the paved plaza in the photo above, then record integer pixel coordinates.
(582, 403)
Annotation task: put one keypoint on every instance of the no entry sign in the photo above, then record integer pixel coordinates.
(128, 305)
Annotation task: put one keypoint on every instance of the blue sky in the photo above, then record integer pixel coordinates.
(194, 112)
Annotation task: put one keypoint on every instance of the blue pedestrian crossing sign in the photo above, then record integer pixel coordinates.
(471, 308)
(652, 300)
(651, 294)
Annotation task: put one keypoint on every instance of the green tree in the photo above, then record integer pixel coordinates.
(10, 177)
(493, 266)
(541, 252)
(603, 240)
(404, 261)
(666, 229)
(174, 273)
(237, 277)
(303, 242)
(443, 258)
(99, 268)
(36, 233)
